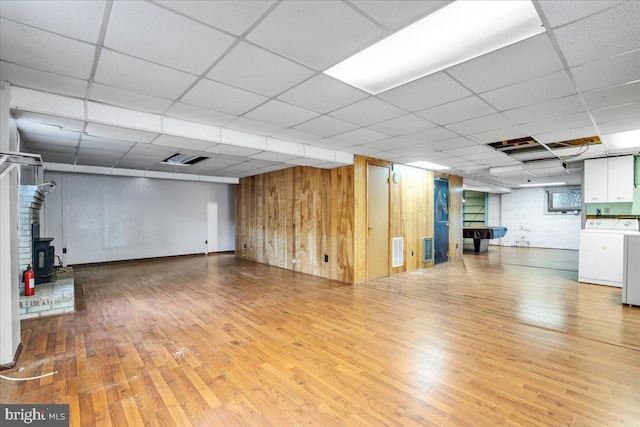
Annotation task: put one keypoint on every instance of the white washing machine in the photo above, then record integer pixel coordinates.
(601, 251)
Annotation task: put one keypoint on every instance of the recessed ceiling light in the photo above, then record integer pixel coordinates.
(622, 140)
(428, 165)
(543, 184)
(458, 32)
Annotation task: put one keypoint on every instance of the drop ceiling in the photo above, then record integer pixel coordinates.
(118, 87)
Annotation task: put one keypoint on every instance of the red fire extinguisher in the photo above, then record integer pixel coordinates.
(29, 279)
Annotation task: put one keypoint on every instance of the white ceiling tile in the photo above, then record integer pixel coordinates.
(470, 150)
(611, 96)
(252, 126)
(257, 70)
(296, 135)
(504, 134)
(125, 72)
(602, 35)
(608, 72)
(325, 126)
(286, 147)
(323, 94)
(560, 12)
(487, 155)
(65, 140)
(551, 86)
(429, 135)
(112, 132)
(220, 97)
(37, 128)
(566, 134)
(368, 112)
(281, 114)
(389, 144)
(360, 150)
(133, 29)
(241, 139)
(402, 125)
(80, 21)
(41, 119)
(360, 136)
(233, 150)
(273, 157)
(315, 33)
(87, 146)
(426, 92)
(332, 144)
(546, 110)
(623, 125)
(453, 143)
(232, 16)
(116, 144)
(619, 112)
(126, 99)
(305, 161)
(397, 13)
(456, 111)
(559, 123)
(480, 124)
(179, 142)
(110, 156)
(197, 114)
(146, 149)
(41, 80)
(44, 51)
(522, 61)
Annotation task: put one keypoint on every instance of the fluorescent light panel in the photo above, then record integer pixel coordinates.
(458, 32)
(622, 140)
(428, 165)
(543, 184)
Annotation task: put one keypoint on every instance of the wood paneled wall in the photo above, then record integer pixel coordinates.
(304, 213)
(411, 213)
(299, 214)
(455, 217)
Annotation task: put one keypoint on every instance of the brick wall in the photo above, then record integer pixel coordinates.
(30, 202)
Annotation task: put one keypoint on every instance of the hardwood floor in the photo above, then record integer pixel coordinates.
(214, 341)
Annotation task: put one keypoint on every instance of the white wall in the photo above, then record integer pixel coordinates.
(102, 218)
(523, 213)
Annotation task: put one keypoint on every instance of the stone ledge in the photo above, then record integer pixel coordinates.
(51, 298)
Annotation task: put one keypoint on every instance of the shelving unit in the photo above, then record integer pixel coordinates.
(474, 210)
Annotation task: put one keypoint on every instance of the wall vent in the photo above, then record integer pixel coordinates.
(398, 252)
(427, 249)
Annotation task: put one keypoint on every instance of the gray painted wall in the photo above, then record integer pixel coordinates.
(101, 218)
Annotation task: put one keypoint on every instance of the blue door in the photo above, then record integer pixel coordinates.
(441, 217)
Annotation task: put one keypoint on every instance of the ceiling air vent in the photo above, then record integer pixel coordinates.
(183, 160)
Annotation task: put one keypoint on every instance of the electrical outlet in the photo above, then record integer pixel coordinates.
(293, 261)
(245, 246)
(456, 246)
(607, 211)
(64, 250)
(326, 258)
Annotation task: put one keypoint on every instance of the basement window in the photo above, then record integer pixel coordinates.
(183, 160)
(567, 200)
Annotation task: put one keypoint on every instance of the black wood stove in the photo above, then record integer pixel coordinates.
(43, 256)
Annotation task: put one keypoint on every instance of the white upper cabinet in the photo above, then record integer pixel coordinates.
(608, 180)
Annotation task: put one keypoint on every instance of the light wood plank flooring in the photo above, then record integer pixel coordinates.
(495, 339)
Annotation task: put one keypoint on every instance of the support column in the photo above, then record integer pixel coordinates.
(9, 275)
